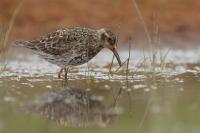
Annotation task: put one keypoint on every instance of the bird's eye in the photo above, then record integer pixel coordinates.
(109, 39)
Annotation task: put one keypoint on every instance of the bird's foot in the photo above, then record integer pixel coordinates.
(66, 72)
(63, 71)
(59, 73)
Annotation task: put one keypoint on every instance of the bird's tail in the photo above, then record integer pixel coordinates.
(26, 44)
(22, 43)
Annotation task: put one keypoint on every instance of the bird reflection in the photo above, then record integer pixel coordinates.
(74, 108)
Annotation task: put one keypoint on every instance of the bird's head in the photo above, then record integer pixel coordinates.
(109, 40)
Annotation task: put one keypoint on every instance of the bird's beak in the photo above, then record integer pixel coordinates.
(114, 50)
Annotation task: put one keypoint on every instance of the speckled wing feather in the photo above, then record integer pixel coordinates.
(58, 42)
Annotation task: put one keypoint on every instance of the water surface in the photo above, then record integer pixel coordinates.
(149, 97)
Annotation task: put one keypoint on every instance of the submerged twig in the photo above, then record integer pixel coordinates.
(121, 65)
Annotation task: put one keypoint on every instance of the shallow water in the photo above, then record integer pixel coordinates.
(149, 98)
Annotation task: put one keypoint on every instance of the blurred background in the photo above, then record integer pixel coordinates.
(179, 20)
(155, 91)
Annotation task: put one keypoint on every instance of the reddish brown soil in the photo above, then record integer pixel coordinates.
(179, 20)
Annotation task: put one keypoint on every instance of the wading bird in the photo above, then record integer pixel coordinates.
(72, 46)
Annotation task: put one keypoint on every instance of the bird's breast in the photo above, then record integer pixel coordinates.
(84, 56)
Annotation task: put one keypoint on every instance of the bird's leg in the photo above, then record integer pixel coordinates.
(60, 72)
(66, 71)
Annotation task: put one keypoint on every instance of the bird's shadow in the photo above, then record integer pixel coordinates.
(73, 107)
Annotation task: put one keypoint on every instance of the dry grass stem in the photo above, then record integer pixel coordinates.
(6, 30)
(142, 21)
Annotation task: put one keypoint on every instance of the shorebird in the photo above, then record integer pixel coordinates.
(73, 46)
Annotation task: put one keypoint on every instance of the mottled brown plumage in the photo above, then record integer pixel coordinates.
(72, 46)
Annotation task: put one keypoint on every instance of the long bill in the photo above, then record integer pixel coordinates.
(114, 50)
